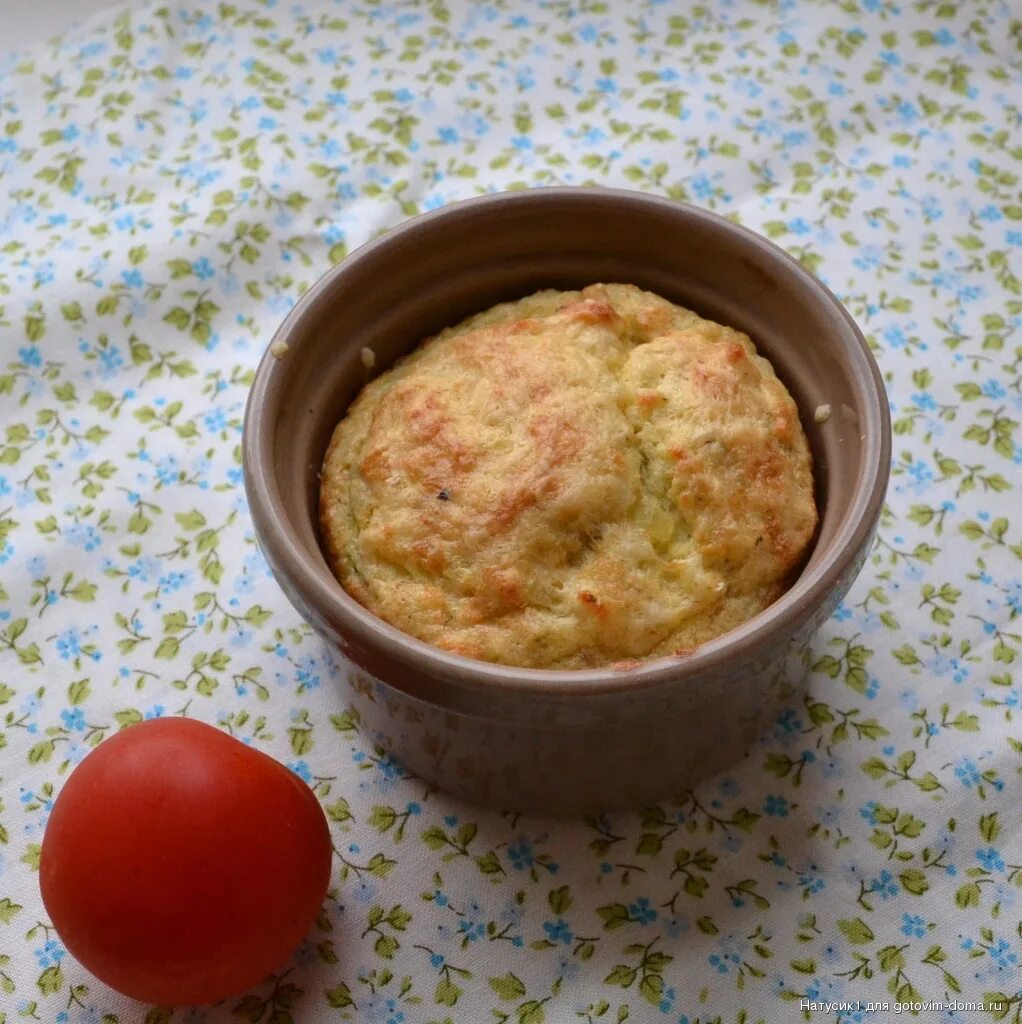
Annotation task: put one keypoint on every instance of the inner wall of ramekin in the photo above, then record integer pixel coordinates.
(437, 269)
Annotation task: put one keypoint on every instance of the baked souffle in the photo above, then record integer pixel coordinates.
(571, 480)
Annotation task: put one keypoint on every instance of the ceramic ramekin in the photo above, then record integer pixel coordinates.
(555, 741)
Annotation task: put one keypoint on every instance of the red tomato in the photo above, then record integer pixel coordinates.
(181, 866)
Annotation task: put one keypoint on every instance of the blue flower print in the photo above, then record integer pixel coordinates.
(30, 356)
(642, 911)
(73, 719)
(521, 855)
(967, 772)
(990, 859)
(885, 886)
(69, 644)
(558, 931)
(364, 891)
(50, 954)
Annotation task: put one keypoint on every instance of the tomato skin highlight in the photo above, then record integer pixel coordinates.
(182, 867)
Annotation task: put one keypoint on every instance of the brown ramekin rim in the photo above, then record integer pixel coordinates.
(309, 578)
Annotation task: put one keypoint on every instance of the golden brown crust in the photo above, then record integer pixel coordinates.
(573, 480)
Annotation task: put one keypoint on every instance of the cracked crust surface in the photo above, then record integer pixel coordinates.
(569, 481)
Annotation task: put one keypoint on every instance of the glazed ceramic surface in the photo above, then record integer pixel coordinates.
(563, 741)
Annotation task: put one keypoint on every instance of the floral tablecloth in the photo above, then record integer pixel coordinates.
(175, 176)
